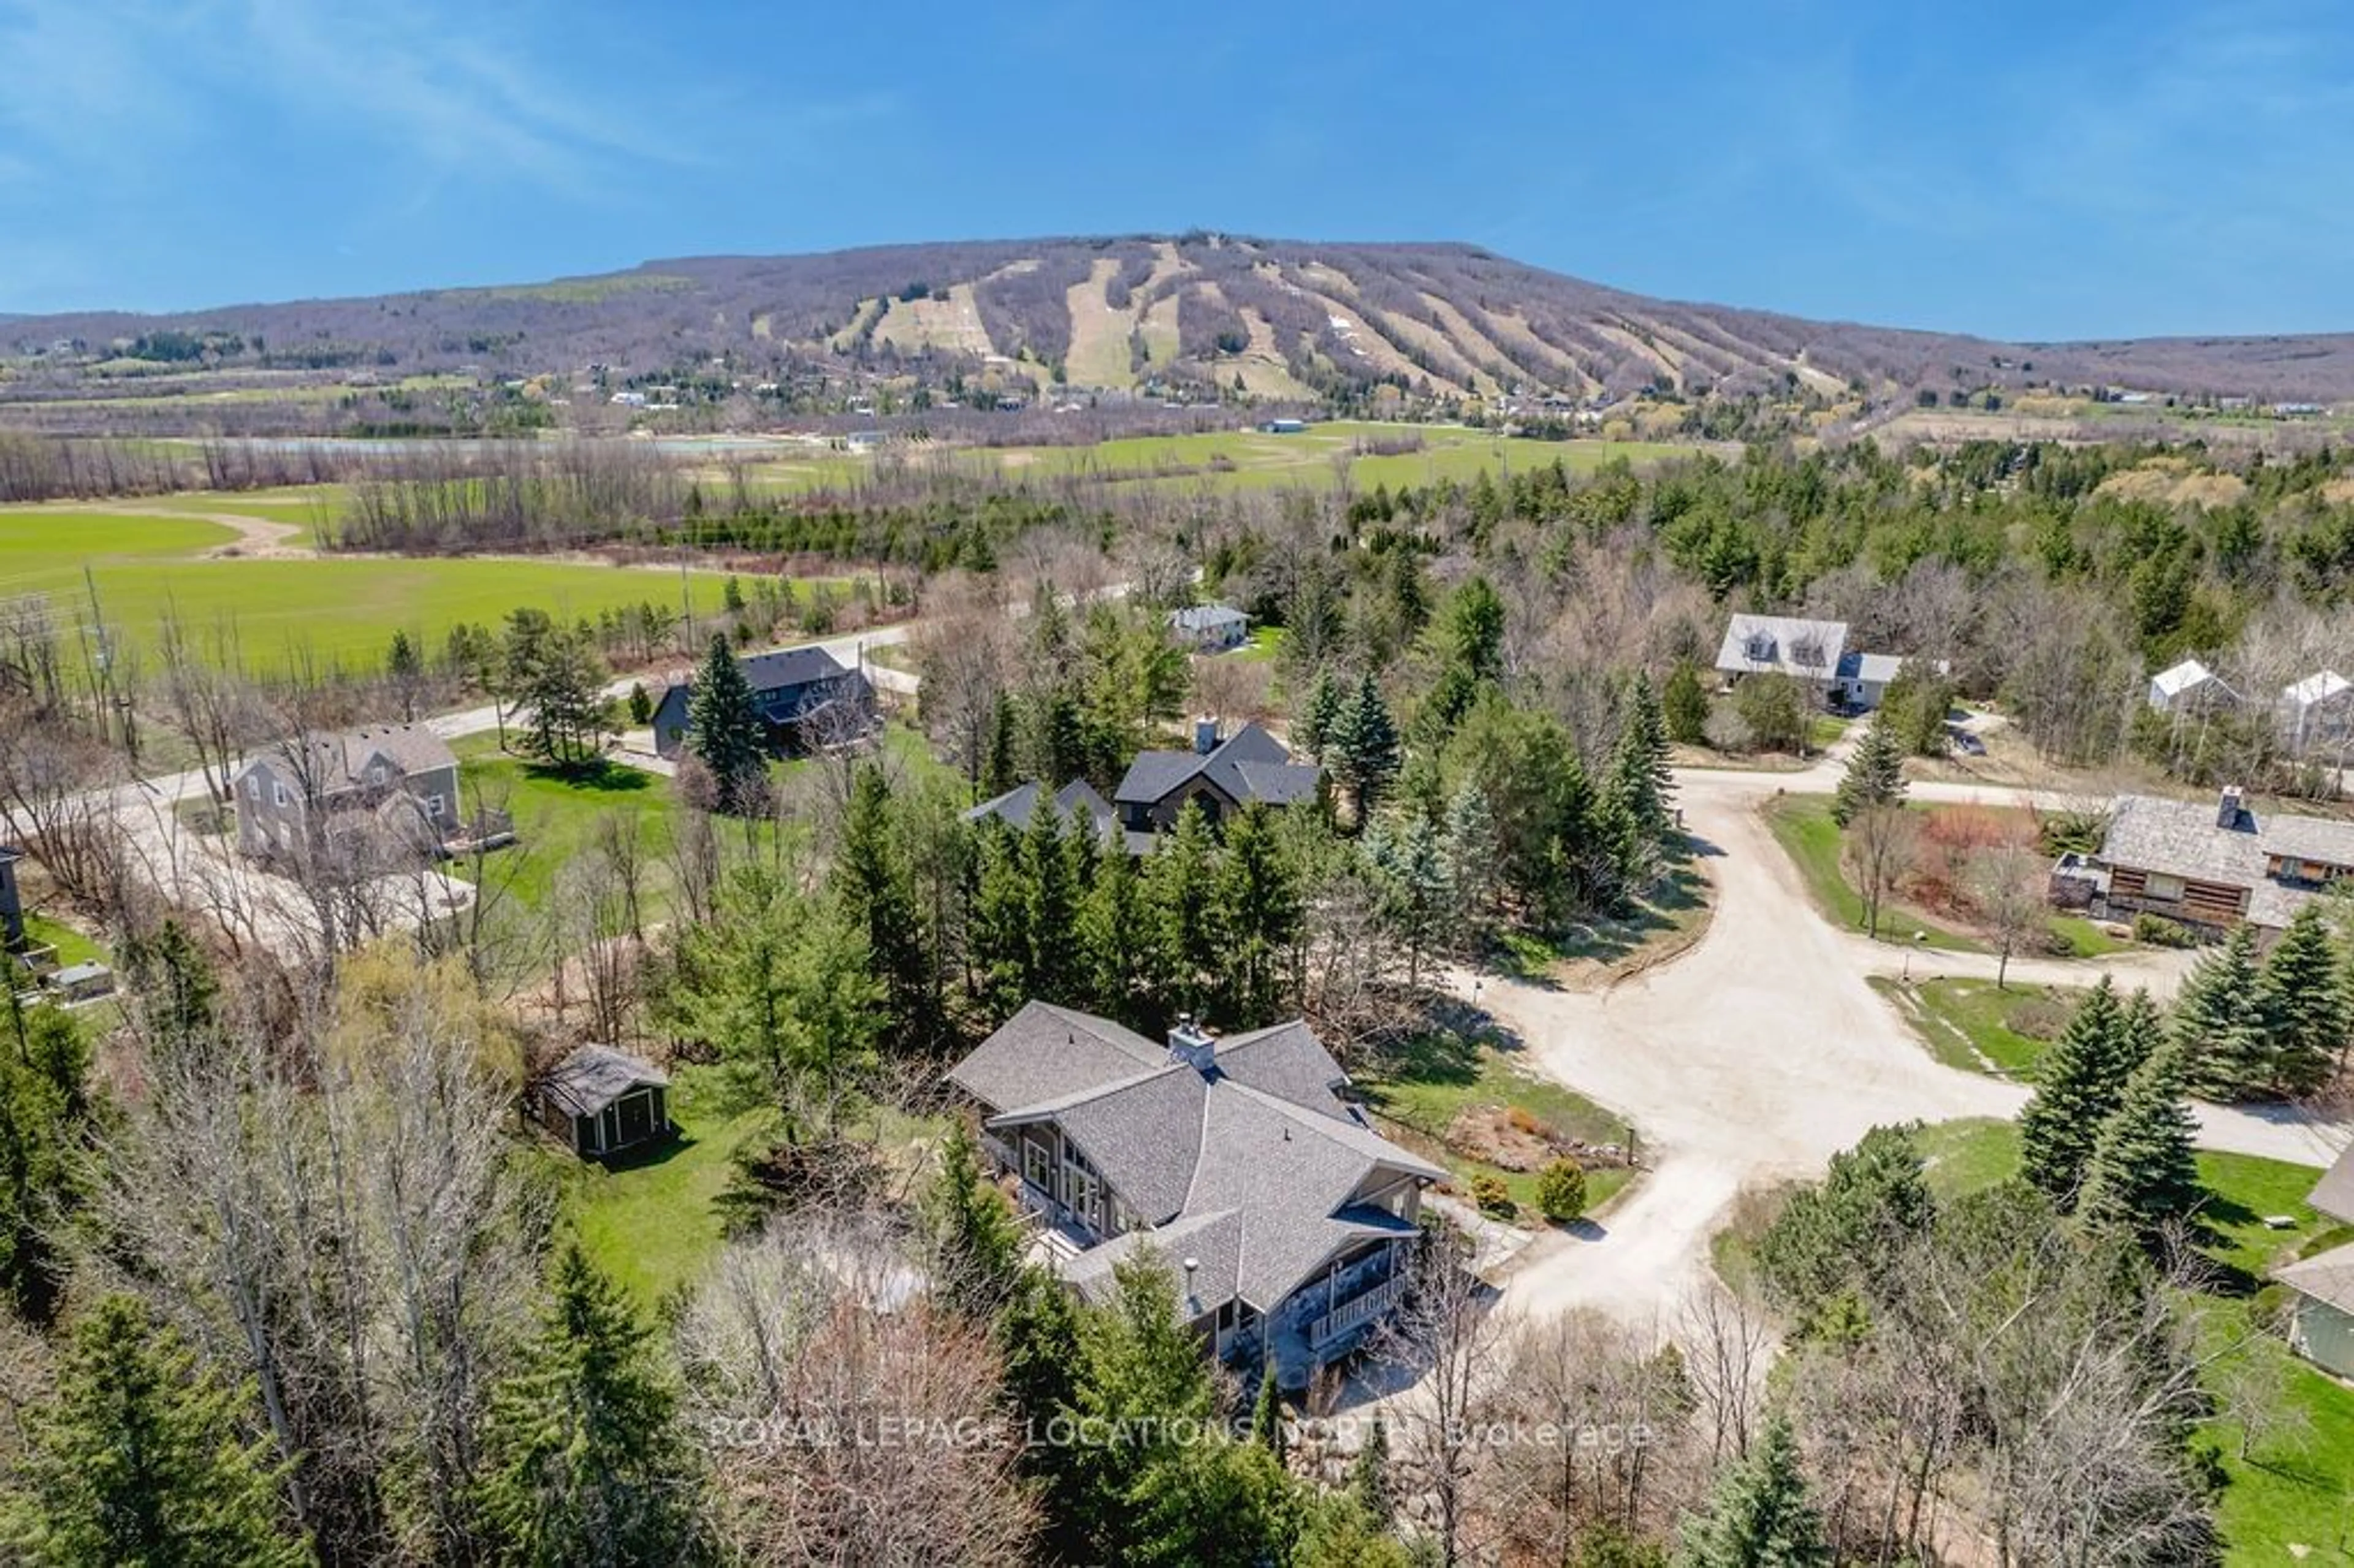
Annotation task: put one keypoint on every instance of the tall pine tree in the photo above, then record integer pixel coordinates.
(2079, 1084)
(1361, 750)
(1313, 728)
(1874, 777)
(1182, 894)
(1055, 970)
(2142, 1179)
(585, 1462)
(725, 734)
(875, 888)
(2301, 998)
(138, 1460)
(1258, 905)
(2216, 1021)
(1760, 1516)
(1683, 707)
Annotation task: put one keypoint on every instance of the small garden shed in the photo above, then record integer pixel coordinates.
(602, 1101)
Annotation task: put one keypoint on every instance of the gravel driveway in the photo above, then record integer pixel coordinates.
(1756, 1056)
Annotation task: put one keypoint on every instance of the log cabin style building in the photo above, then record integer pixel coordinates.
(1288, 1220)
(2211, 867)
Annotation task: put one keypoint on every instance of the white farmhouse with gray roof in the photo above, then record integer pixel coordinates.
(1289, 1220)
(1784, 644)
(1210, 628)
(2317, 711)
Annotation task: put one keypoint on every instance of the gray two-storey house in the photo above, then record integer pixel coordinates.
(398, 782)
(1289, 1222)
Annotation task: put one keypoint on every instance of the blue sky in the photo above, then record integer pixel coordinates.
(2018, 170)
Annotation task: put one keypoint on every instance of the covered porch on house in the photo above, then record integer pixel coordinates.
(1335, 1314)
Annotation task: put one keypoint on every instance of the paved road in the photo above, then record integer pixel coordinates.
(1756, 1056)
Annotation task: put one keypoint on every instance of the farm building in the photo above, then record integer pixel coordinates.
(2188, 687)
(601, 1101)
(1807, 651)
(1210, 628)
(2321, 1322)
(2213, 866)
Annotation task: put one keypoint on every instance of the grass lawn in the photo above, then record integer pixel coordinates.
(1265, 643)
(1802, 825)
(1967, 1024)
(651, 1222)
(1970, 1155)
(2086, 939)
(72, 947)
(1420, 1089)
(2292, 1498)
(556, 814)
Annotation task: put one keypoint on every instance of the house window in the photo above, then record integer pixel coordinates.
(253, 786)
(2159, 885)
(278, 795)
(434, 807)
(1033, 1163)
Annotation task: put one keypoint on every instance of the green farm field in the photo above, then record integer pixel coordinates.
(1245, 459)
(338, 607)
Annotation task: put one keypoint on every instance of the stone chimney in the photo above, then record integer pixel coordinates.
(1192, 1044)
(1205, 736)
(2227, 810)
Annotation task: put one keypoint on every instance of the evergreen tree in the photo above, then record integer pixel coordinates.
(1640, 771)
(1473, 860)
(997, 931)
(1182, 891)
(45, 1125)
(401, 661)
(2216, 1020)
(1120, 966)
(1259, 909)
(724, 732)
(138, 1460)
(1267, 1416)
(1145, 1382)
(1363, 750)
(973, 1231)
(1369, 1474)
(1683, 707)
(584, 1460)
(641, 705)
(1038, 1339)
(2143, 1176)
(2302, 1003)
(1409, 865)
(999, 769)
(1213, 1504)
(1055, 969)
(1467, 644)
(1313, 728)
(875, 889)
(559, 679)
(1874, 777)
(1760, 1516)
(2079, 1084)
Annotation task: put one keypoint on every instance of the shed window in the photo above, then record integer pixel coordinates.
(278, 795)
(2161, 886)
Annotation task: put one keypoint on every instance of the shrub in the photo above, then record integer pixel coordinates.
(2160, 932)
(1494, 1198)
(1561, 1190)
(1524, 1119)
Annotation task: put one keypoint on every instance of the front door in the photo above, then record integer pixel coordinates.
(637, 1117)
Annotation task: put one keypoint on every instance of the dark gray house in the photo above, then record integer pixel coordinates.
(12, 899)
(399, 778)
(601, 1101)
(801, 694)
(1225, 776)
(1289, 1222)
(1077, 801)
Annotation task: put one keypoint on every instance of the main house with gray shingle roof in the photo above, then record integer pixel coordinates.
(1237, 1161)
(1220, 775)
